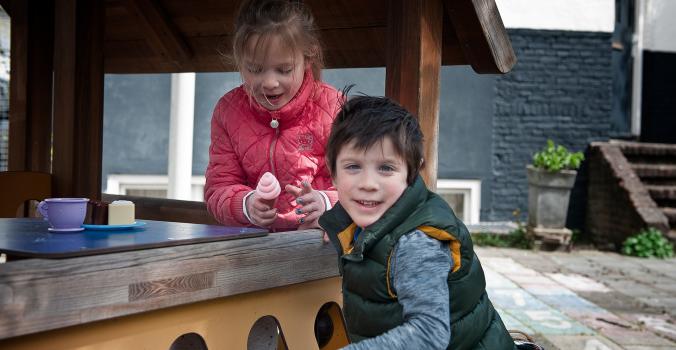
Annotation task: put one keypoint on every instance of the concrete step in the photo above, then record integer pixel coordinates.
(644, 170)
(670, 213)
(662, 192)
(671, 235)
(647, 149)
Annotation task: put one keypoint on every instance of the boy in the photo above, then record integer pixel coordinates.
(410, 275)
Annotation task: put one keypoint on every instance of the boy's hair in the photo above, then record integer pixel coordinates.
(290, 20)
(367, 120)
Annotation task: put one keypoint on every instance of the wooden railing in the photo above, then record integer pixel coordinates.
(163, 209)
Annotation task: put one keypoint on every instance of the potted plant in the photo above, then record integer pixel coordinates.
(550, 179)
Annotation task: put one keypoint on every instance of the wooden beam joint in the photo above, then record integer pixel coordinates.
(161, 34)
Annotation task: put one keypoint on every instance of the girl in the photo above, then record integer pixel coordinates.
(278, 121)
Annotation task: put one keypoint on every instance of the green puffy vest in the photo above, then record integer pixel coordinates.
(370, 306)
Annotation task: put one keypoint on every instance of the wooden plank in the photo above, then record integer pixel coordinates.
(31, 86)
(160, 32)
(413, 68)
(167, 209)
(366, 49)
(38, 295)
(482, 35)
(78, 98)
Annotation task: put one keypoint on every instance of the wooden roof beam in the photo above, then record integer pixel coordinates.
(482, 35)
(161, 34)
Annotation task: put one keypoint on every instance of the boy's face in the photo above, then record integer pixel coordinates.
(369, 182)
(273, 73)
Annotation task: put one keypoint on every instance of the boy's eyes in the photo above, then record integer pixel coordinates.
(382, 168)
(386, 168)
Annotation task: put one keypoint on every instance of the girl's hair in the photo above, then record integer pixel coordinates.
(290, 20)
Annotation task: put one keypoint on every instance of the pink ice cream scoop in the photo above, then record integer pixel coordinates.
(268, 187)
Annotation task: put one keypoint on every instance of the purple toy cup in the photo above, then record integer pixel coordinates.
(64, 214)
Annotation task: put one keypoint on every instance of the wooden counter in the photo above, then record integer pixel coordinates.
(43, 302)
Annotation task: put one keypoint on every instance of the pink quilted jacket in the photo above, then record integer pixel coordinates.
(244, 146)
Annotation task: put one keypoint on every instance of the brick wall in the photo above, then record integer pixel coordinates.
(618, 203)
(560, 88)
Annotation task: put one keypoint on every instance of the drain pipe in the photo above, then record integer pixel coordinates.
(637, 71)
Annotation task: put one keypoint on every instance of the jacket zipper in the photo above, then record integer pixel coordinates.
(272, 153)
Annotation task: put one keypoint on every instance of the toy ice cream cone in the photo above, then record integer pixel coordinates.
(268, 188)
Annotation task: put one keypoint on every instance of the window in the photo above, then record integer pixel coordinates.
(464, 197)
(150, 186)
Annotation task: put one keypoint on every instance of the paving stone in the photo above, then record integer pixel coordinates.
(515, 299)
(496, 280)
(665, 303)
(554, 290)
(627, 337)
(550, 321)
(485, 252)
(569, 302)
(582, 342)
(660, 324)
(667, 286)
(584, 300)
(603, 321)
(613, 301)
(577, 282)
(508, 266)
(513, 323)
(631, 287)
(534, 279)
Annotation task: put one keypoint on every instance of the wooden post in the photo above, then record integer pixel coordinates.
(78, 97)
(414, 30)
(30, 90)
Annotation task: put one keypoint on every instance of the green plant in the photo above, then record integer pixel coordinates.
(648, 243)
(517, 238)
(555, 158)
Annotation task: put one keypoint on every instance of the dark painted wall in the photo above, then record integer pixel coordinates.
(658, 105)
(560, 88)
(466, 129)
(489, 125)
(135, 124)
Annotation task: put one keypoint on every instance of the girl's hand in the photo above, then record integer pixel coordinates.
(310, 203)
(260, 211)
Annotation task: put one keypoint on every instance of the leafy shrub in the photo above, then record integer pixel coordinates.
(555, 158)
(515, 239)
(648, 243)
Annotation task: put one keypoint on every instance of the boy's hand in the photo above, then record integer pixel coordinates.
(260, 211)
(310, 203)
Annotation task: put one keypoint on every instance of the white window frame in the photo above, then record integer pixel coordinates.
(471, 196)
(120, 183)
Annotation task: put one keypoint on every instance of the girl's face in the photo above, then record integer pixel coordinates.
(273, 73)
(369, 182)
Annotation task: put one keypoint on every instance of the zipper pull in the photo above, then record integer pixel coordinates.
(274, 124)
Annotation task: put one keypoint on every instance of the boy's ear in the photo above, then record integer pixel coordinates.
(422, 162)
